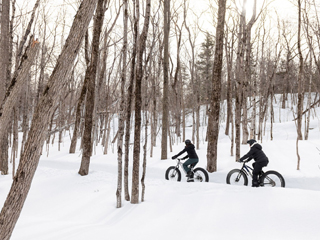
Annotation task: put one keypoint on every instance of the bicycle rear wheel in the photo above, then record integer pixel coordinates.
(237, 177)
(173, 174)
(200, 175)
(272, 179)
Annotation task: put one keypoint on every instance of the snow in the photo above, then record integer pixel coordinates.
(62, 205)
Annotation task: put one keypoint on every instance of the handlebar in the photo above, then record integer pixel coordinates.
(245, 161)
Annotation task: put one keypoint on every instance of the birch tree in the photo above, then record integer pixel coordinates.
(122, 103)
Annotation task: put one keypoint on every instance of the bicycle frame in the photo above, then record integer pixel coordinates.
(246, 169)
(179, 164)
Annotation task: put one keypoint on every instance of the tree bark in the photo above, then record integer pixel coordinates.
(300, 86)
(78, 116)
(122, 103)
(137, 122)
(5, 73)
(165, 101)
(91, 76)
(213, 123)
(300, 78)
(30, 157)
(129, 102)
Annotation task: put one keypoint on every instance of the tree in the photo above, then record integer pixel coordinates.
(122, 103)
(300, 86)
(204, 66)
(5, 73)
(47, 103)
(165, 100)
(129, 103)
(213, 122)
(300, 78)
(91, 76)
(137, 123)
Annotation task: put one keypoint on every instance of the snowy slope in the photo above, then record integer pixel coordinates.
(63, 205)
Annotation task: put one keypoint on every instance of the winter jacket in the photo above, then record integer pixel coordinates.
(190, 149)
(255, 153)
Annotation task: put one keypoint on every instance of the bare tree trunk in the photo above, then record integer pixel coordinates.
(137, 109)
(213, 123)
(307, 123)
(122, 103)
(129, 103)
(300, 86)
(247, 77)
(78, 116)
(300, 78)
(14, 149)
(4, 77)
(144, 164)
(153, 115)
(239, 81)
(4, 47)
(229, 62)
(91, 75)
(25, 117)
(30, 157)
(165, 101)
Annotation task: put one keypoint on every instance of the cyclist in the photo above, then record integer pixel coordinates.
(192, 155)
(259, 157)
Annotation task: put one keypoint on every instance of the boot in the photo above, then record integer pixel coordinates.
(255, 184)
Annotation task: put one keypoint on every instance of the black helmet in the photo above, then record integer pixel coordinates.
(251, 141)
(187, 141)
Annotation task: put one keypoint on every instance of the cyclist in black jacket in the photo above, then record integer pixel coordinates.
(192, 155)
(259, 157)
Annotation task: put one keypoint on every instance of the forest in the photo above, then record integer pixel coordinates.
(76, 67)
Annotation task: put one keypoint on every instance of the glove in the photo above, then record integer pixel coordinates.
(240, 160)
(174, 157)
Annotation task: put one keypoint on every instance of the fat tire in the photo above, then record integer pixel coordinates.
(274, 175)
(198, 177)
(173, 173)
(233, 175)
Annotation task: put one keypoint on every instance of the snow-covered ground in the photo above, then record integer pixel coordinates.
(63, 205)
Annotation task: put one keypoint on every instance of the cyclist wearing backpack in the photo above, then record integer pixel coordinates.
(259, 157)
(192, 155)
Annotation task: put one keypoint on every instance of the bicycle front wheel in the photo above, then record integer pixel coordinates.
(272, 179)
(200, 175)
(173, 174)
(237, 177)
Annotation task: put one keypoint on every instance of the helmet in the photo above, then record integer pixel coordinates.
(187, 141)
(251, 141)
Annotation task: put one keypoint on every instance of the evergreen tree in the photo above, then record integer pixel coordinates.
(204, 66)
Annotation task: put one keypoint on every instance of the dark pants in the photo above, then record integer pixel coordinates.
(190, 161)
(257, 168)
